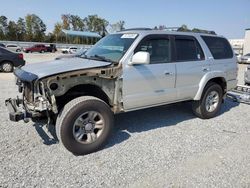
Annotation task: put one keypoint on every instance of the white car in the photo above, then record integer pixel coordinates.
(14, 48)
(69, 50)
(245, 58)
(238, 56)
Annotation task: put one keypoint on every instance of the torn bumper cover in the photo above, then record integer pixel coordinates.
(240, 94)
(15, 112)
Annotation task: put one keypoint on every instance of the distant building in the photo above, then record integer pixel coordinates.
(237, 45)
(246, 48)
(241, 46)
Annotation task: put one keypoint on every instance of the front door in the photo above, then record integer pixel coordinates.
(154, 83)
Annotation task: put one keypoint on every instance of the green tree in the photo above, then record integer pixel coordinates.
(11, 32)
(65, 21)
(3, 27)
(77, 23)
(57, 30)
(35, 28)
(118, 26)
(184, 28)
(96, 24)
(21, 30)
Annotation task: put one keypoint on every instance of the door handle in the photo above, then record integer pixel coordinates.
(205, 69)
(167, 73)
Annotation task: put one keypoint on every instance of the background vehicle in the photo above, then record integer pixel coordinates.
(69, 50)
(14, 48)
(238, 56)
(247, 75)
(2, 45)
(36, 48)
(79, 53)
(9, 60)
(245, 58)
(122, 72)
(51, 48)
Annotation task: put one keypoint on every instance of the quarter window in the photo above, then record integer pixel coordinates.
(188, 49)
(219, 47)
(158, 48)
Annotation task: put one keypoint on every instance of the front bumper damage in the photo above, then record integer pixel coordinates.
(34, 104)
(15, 112)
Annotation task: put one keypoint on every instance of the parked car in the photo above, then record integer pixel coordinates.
(2, 45)
(125, 71)
(238, 56)
(14, 48)
(245, 58)
(36, 48)
(247, 75)
(69, 50)
(9, 60)
(51, 48)
(79, 53)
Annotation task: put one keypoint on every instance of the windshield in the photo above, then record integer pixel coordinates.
(112, 47)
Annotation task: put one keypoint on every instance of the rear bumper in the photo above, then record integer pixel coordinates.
(247, 77)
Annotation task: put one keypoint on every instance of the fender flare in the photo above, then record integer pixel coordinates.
(205, 79)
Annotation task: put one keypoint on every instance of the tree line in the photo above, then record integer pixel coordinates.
(33, 28)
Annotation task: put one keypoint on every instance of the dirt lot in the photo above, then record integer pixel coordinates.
(158, 147)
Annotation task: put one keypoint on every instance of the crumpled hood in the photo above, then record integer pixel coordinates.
(50, 68)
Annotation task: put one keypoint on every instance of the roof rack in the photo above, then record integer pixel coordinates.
(138, 28)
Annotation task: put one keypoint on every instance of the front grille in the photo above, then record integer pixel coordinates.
(28, 92)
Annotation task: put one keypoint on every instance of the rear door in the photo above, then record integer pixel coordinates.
(154, 83)
(190, 65)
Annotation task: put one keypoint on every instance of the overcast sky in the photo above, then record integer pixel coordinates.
(226, 17)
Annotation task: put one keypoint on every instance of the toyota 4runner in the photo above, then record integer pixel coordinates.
(126, 71)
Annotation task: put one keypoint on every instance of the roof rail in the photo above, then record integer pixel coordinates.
(138, 28)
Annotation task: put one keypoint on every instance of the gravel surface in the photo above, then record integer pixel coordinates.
(158, 147)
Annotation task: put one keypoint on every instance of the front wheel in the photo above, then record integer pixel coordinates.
(209, 104)
(84, 125)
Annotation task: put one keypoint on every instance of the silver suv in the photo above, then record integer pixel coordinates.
(126, 71)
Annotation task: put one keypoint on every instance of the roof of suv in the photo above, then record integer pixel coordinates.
(147, 31)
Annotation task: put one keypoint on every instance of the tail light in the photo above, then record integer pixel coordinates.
(20, 56)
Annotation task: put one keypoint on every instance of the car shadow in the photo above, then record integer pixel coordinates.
(154, 118)
(138, 121)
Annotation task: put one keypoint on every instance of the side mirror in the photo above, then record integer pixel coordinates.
(140, 58)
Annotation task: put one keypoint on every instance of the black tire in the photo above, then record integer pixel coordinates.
(199, 107)
(7, 66)
(18, 50)
(65, 124)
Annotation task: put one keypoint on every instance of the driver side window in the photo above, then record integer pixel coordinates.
(158, 48)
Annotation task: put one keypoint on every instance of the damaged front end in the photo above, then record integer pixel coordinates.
(33, 102)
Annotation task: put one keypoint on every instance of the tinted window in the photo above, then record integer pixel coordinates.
(219, 47)
(159, 50)
(188, 49)
(11, 46)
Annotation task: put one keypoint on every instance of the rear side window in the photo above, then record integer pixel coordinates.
(219, 47)
(188, 49)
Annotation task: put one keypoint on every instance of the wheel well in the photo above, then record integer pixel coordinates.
(82, 90)
(221, 81)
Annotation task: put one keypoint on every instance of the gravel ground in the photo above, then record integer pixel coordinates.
(158, 147)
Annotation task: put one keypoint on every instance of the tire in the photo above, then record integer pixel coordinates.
(7, 66)
(85, 136)
(18, 50)
(208, 98)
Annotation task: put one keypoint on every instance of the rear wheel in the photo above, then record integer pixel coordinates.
(7, 66)
(84, 125)
(209, 104)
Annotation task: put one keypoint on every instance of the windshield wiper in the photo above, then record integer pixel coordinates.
(102, 58)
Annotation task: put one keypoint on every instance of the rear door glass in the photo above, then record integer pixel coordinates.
(219, 47)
